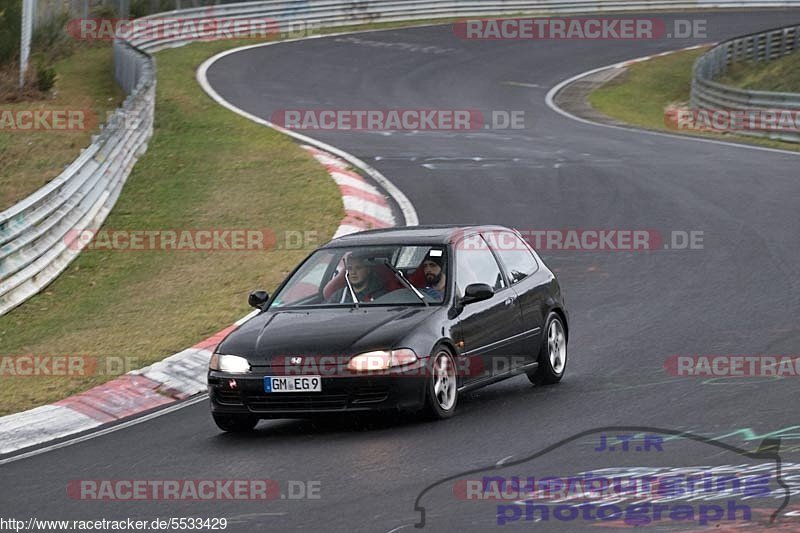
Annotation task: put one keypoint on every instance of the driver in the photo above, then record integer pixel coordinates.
(364, 280)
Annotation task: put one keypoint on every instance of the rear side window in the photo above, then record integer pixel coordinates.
(475, 263)
(514, 254)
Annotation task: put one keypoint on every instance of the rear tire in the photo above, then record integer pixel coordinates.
(552, 353)
(235, 423)
(441, 390)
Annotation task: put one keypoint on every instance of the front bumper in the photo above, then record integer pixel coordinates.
(402, 391)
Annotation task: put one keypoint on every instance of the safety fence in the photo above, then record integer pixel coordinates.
(758, 47)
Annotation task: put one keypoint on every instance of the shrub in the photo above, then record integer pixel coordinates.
(45, 77)
(140, 8)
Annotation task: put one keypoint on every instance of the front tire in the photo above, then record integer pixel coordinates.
(552, 353)
(235, 423)
(441, 393)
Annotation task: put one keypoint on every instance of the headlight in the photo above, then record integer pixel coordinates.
(229, 363)
(381, 360)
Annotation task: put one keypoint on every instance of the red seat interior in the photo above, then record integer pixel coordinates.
(417, 278)
(388, 278)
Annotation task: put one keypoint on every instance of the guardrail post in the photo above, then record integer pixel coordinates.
(782, 50)
(25, 39)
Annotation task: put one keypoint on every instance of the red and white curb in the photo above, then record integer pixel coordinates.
(183, 374)
(364, 205)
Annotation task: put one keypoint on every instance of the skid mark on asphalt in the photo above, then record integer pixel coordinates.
(581, 270)
(406, 47)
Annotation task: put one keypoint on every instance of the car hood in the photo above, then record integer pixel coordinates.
(273, 335)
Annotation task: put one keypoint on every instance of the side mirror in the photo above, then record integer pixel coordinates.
(477, 292)
(258, 299)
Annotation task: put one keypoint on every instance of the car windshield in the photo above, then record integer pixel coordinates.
(368, 276)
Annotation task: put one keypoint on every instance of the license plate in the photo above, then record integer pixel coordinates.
(293, 384)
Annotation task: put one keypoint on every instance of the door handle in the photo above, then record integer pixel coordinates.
(510, 300)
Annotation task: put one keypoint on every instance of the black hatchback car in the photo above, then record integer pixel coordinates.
(393, 319)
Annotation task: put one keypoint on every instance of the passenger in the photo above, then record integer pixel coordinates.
(435, 276)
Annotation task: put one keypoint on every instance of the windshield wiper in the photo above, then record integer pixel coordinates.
(350, 287)
(405, 282)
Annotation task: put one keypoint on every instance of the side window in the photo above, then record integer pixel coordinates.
(513, 253)
(475, 263)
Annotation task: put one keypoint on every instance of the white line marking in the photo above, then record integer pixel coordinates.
(520, 84)
(408, 211)
(550, 100)
(105, 431)
(502, 461)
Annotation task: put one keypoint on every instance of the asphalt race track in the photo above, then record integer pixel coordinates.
(630, 310)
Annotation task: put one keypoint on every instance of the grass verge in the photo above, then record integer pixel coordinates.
(30, 159)
(205, 168)
(640, 96)
(782, 76)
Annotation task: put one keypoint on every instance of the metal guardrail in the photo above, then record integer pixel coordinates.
(35, 233)
(765, 46)
(38, 236)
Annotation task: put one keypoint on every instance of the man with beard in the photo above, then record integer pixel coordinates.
(435, 277)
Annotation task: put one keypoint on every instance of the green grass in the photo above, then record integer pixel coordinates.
(205, 168)
(641, 95)
(28, 160)
(781, 76)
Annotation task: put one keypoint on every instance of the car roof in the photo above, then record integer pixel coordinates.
(419, 235)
